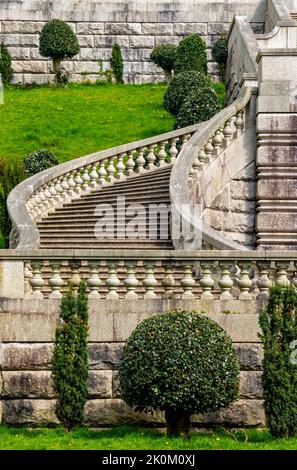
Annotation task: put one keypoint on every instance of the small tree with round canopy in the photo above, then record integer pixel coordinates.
(58, 41)
(181, 363)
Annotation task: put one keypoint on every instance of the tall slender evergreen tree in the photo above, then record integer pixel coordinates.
(278, 322)
(70, 359)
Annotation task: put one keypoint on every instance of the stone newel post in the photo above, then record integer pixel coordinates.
(276, 224)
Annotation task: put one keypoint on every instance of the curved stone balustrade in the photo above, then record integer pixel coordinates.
(207, 275)
(35, 197)
(195, 180)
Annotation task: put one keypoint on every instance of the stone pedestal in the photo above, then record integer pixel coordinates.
(276, 222)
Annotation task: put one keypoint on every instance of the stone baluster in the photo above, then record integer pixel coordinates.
(121, 167)
(264, 283)
(173, 152)
(294, 280)
(197, 165)
(48, 196)
(131, 282)
(53, 192)
(188, 282)
(150, 282)
(185, 138)
(151, 158)
(94, 176)
(206, 282)
(27, 278)
(217, 140)
(94, 281)
(140, 161)
(227, 131)
(102, 173)
(255, 279)
(130, 165)
(37, 203)
(65, 187)
(245, 283)
(112, 281)
(59, 189)
(162, 155)
(209, 149)
(86, 178)
(71, 183)
(282, 274)
(78, 182)
(43, 201)
(239, 122)
(56, 282)
(111, 170)
(75, 276)
(168, 281)
(36, 280)
(202, 157)
(225, 281)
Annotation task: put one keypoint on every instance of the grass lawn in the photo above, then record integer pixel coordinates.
(79, 119)
(129, 438)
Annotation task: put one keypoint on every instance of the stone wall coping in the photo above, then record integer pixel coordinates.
(81, 255)
(284, 52)
(17, 199)
(179, 192)
(281, 12)
(249, 39)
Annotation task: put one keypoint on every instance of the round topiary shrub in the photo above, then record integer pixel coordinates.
(199, 106)
(39, 161)
(220, 55)
(191, 55)
(181, 363)
(181, 86)
(58, 41)
(164, 56)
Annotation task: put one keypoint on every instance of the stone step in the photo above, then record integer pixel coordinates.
(131, 183)
(130, 199)
(90, 244)
(102, 197)
(132, 193)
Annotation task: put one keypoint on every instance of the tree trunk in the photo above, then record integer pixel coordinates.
(178, 423)
(57, 65)
(168, 76)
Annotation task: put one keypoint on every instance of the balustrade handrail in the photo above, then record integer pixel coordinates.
(179, 191)
(23, 222)
(124, 274)
(140, 255)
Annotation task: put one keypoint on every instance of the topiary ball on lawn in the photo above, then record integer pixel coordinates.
(180, 363)
(181, 86)
(199, 106)
(39, 161)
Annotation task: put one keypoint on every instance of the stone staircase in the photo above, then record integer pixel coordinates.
(74, 224)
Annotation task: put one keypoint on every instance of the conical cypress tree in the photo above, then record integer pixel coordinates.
(70, 359)
(6, 70)
(116, 62)
(278, 322)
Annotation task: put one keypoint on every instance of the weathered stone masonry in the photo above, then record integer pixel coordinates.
(138, 26)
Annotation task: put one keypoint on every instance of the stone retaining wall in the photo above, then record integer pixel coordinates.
(27, 330)
(137, 25)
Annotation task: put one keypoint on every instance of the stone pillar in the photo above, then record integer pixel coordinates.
(12, 283)
(276, 224)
